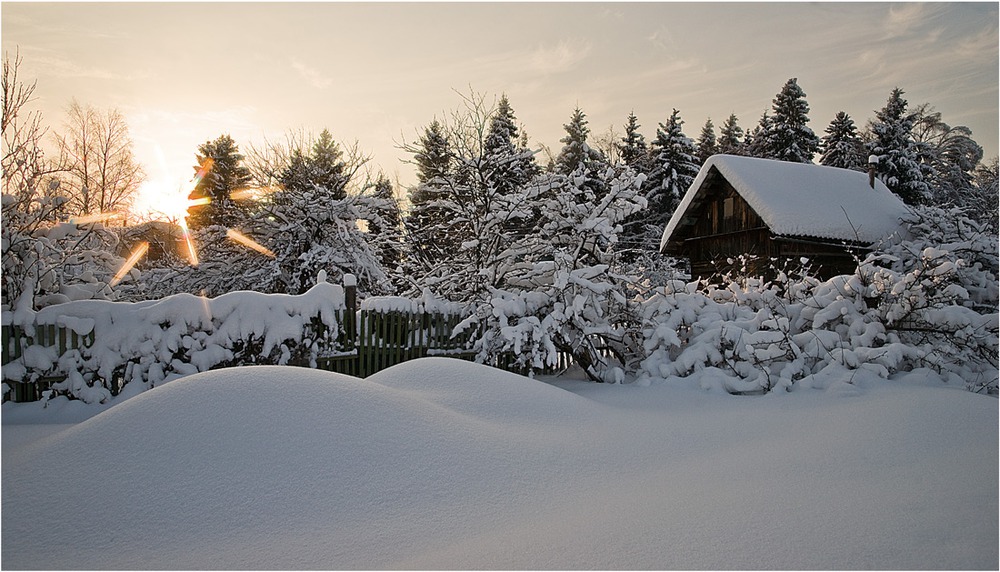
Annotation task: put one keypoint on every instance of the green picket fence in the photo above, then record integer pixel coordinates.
(15, 340)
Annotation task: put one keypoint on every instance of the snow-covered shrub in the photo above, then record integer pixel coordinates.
(146, 343)
(559, 293)
(47, 262)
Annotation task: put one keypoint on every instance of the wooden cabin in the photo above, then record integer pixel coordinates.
(779, 210)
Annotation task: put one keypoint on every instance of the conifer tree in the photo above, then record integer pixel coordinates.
(633, 149)
(891, 141)
(790, 138)
(730, 137)
(434, 155)
(425, 223)
(385, 224)
(576, 153)
(707, 144)
(220, 172)
(757, 142)
(842, 147)
(506, 164)
(675, 165)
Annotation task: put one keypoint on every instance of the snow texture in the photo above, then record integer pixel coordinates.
(442, 464)
(149, 342)
(796, 199)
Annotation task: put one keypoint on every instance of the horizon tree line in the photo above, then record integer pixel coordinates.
(480, 191)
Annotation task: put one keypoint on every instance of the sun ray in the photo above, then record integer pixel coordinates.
(139, 252)
(192, 253)
(97, 217)
(241, 238)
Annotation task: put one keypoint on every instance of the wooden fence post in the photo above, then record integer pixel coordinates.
(351, 310)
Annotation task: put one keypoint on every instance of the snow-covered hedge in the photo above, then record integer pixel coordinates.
(925, 302)
(140, 345)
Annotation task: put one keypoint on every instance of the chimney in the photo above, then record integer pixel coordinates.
(872, 161)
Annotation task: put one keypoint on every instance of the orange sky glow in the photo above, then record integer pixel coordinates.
(377, 73)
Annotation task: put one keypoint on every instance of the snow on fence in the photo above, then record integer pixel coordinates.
(95, 349)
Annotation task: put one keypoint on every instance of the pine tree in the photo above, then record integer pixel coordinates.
(434, 154)
(790, 138)
(322, 169)
(576, 153)
(385, 224)
(219, 173)
(675, 165)
(633, 149)
(707, 144)
(426, 221)
(842, 147)
(892, 142)
(730, 137)
(757, 142)
(506, 164)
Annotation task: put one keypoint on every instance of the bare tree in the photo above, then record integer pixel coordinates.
(103, 174)
(25, 167)
(607, 144)
(39, 265)
(269, 160)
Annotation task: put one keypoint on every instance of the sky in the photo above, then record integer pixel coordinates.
(378, 73)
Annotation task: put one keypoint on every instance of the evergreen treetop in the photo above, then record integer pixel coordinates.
(790, 138)
(576, 153)
(892, 143)
(219, 172)
(730, 137)
(707, 144)
(842, 146)
(633, 149)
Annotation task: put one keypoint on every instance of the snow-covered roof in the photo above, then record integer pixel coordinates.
(800, 199)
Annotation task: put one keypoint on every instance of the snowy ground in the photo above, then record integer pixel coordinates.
(442, 464)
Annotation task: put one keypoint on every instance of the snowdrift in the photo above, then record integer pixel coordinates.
(438, 463)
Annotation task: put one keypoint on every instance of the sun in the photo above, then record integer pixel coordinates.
(162, 199)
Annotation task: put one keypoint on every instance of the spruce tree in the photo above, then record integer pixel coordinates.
(675, 165)
(576, 153)
(633, 149)
(790, 138)
(434, 155)
(842, 147)
(891, 141)
(321, 170)
(385, 224)
(219, 173)
(426, 221)
(730, 137)
(707, 144)
(507, 164)
(757, 142)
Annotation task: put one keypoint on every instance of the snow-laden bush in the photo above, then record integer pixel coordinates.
(146, 343)
(909, 305)
(47, 262)
(559, 293)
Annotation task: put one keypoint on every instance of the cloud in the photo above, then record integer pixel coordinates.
(558, 58)
(312, 75)
(60, 67)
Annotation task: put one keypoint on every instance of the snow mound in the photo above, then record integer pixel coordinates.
(441, 464)
(483, 392)
(274, 466)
